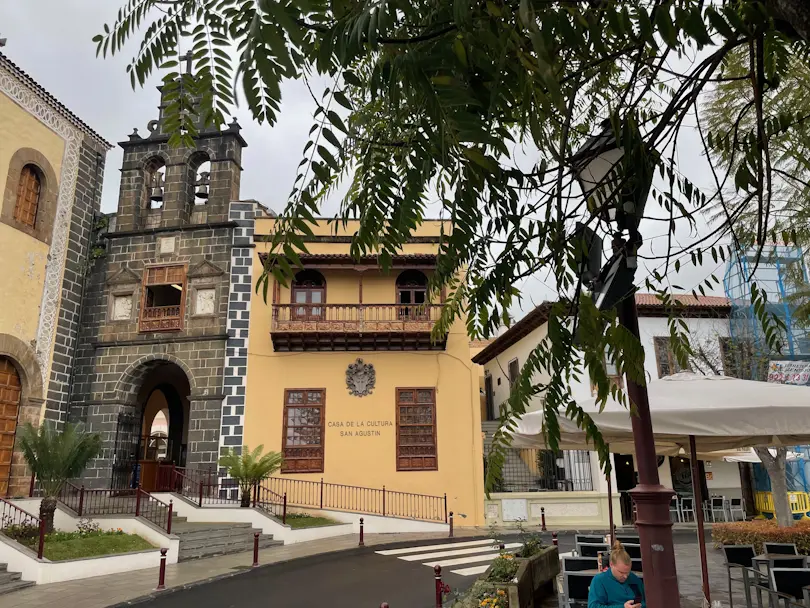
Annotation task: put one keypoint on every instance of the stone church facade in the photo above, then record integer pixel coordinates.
(51, 174)
(166, 309)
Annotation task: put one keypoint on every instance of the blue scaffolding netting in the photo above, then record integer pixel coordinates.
(780, 272)
(797, 472)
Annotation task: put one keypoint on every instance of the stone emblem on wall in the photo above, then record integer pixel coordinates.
(360, 378)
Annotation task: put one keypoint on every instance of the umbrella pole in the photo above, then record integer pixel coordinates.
(610, 505)
(698, 499)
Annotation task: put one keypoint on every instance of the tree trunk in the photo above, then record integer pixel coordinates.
(776, 466)
(747, 485)
(245, 498)
(796, 13)
(46, 511)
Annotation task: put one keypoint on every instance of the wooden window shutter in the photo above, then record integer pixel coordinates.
(28, 191)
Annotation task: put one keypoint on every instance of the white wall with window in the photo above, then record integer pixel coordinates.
(705, 336)
(708, 324)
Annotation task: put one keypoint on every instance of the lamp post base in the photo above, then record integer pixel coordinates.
(655, 533)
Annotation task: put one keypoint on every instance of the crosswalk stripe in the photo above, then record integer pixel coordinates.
(471, 571)
(484, 557)
(406, 550)
(421, 556)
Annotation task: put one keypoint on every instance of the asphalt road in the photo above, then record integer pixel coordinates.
(359, 578)
(349, 579)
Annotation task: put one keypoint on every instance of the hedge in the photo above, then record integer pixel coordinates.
(758, 532)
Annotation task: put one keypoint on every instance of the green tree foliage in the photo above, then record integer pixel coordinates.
(731, 115)
(250, 468)
(55, 457)
(477, 106)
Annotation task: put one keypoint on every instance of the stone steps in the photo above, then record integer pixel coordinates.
(176, 519)
(208, 539)
(10, 581)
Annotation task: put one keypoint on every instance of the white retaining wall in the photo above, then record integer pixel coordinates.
(256, 518)
(21, 559)
(351, 521)
(377, 524)
(65, 522)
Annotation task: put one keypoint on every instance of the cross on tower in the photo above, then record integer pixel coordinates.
(187, 57)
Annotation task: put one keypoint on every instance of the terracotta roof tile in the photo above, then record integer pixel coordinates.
(648, 304)
(687, 300)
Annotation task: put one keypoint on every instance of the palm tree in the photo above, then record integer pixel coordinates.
(250, 468)
(55, 458)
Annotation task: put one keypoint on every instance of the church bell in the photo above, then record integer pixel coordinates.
(202, 185)
(156, 191)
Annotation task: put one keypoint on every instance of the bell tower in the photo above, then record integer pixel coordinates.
(163, 187)
(159, 317)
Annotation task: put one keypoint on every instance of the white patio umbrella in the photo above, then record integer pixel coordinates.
(722, 413)
(696, 414)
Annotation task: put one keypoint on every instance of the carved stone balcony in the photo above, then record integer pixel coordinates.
(341, 327)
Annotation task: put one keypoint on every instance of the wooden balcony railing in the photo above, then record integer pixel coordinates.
(354, 318)
(161, 318)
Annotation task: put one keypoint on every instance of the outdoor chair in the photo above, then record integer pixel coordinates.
(591, 549)
(577, 564)
(688, 508)
(633, 539)
(736, 506)
(636, 565)
(792, 563)
(781, 548)
(588, 538)
(738, 557)
(789, 582)
(575, 587)
(754, 579)
(674, 510)
(633, 550)
(718, 505)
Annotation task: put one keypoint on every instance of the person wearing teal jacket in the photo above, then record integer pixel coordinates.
(617, 587)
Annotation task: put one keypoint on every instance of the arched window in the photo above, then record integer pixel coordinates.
(308, 290)
(411, 290)
(28, 191)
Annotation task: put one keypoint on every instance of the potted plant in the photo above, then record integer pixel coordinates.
(250, 468)
(55, 457)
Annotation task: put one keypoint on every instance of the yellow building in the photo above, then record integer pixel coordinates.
(345, 381)
(51, 170)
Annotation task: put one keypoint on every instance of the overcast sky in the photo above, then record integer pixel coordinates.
(52, 41)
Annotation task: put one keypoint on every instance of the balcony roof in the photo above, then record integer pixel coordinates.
(648, 306)
(344, 260)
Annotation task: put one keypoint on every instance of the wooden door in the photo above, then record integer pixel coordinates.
(10, 391)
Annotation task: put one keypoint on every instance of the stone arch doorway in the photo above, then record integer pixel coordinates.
(153, 386)
(165, 441)
(10, 398)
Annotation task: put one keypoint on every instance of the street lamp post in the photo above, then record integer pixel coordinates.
(615, 176)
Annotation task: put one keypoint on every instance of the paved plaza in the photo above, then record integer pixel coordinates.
(307, 561)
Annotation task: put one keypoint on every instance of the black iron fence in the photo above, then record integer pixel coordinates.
(530, 470)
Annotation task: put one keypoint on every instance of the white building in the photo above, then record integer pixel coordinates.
(569, 486)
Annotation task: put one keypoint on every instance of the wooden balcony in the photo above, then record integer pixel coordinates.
(324, 327)
(161, 318)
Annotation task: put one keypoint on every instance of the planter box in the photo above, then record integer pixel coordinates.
(535, 579)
